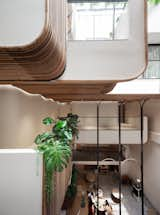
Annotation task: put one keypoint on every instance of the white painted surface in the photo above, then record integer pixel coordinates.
(109, 135)
(155, 137)
(110, 60)
(89, 109)
(153, 24)
(21, 116)
(20, 182)
(138, 86)
(21, 21)
(122, 28)
(153, 17)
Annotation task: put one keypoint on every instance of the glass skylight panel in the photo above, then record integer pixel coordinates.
(153, 69)
(96, 20)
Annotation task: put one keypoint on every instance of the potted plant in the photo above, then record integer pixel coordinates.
(56, 147)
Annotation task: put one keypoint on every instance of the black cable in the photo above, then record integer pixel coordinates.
(119, 155)
(97, 159)
(91, 1)
(142, 156)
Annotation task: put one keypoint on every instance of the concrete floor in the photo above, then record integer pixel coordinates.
(130, 204)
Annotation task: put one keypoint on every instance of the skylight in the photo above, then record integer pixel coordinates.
(96, 20)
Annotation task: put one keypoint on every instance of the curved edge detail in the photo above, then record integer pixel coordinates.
(44, 59)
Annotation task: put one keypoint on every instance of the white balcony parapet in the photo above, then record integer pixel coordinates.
(108, 134)
(20, 182)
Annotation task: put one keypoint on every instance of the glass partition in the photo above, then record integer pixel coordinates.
(108, 157)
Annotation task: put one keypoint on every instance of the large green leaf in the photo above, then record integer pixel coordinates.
(55, 146)
(61, 124)
(48, 121)
(68, 135)
(43, 137)
(56, 159)
(38, 139)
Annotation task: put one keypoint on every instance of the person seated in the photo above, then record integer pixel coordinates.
(90, 204)
(103, 206)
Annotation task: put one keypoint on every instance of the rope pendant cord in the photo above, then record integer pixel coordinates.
(119, 155)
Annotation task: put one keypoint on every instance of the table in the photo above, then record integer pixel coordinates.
(115, 195)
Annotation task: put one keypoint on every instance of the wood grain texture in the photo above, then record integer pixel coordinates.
(44, 58)
(61, 181)
(68, 90)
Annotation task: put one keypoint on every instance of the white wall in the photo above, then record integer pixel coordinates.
(110, 60)
(153, 24)
(89, 109)
(20, 182)
(137, 86)
(21, 21)
(21, 116)
(151, 151)
(87, 112)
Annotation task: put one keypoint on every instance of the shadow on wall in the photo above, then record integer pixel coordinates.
(21, 114)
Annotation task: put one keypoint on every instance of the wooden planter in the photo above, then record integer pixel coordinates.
(60, 184)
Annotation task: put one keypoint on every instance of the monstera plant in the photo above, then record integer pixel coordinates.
(56, 146)
(154, 1)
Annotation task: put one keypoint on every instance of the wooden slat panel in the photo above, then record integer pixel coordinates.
(67, 91)
(43, 59)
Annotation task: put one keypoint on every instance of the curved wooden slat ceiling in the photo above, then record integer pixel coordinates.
(93, 68)
(45, 57)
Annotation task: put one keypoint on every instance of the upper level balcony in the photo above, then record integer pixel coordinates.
(33, 40)
(105, 43)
